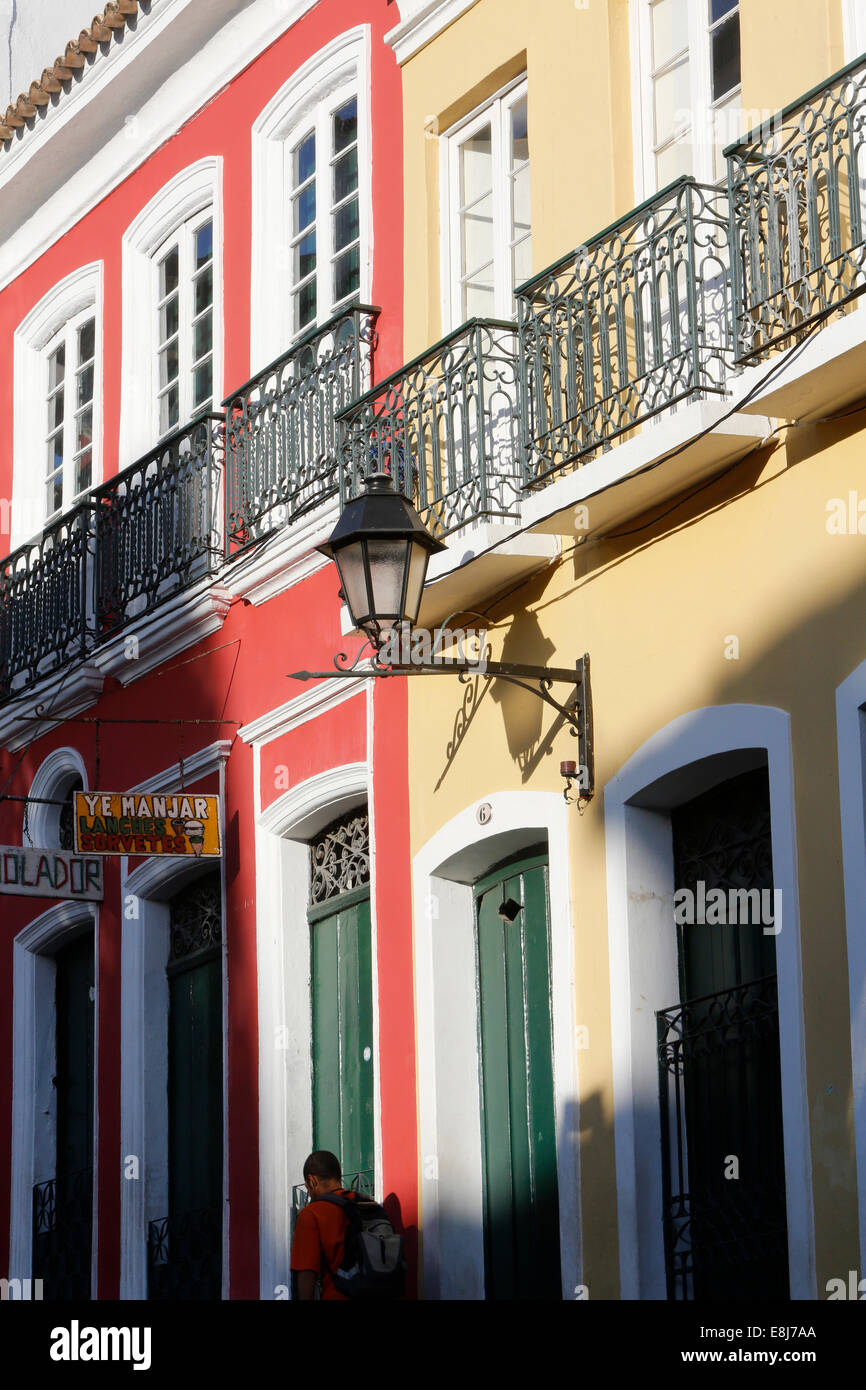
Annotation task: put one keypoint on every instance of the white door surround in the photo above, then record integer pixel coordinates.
(851, 735)
(33, 1095)
(283, 833)
(460, 853)
(687, 757)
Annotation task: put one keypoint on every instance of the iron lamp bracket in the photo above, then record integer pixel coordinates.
(576, 711)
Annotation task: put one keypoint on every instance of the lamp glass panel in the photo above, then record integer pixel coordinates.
(388, 559)
(418, 561)
(353, 581)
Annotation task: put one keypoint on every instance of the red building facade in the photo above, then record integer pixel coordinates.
(210, 192)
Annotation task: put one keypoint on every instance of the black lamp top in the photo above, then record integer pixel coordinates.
(380, 513)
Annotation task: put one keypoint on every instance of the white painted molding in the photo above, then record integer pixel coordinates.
(192, 191)
(33, 1045)
(63, 694)
(285, 558)
(302, 811)
(283, 978)
(58, 769)
(81, 290)
(202, 763)
(178, 623)
(315, 700)
(144, 1040)
(421, 21)
(643, 971)
(135, 99)
(343, 62)
(458, 855)
(851, 736)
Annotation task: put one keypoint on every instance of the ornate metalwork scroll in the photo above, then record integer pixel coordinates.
(196, 919)
(446, 428)
(797, 189)
(281, 441)
(184, 1256)
(625, 327)
(62, 1229)
(341, 857)
(156, 524)
(44, 602)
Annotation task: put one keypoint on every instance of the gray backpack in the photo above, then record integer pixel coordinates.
(373, 1265)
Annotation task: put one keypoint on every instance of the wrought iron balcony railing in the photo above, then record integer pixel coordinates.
(44, 601)
(797, 190)
(445, 427)
(157, 525)
(62, 1235)
(720, 1091)
(625, 327)
(184, 1256)
(281, 434)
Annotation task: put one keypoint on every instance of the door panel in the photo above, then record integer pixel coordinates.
(517, 1099)
(195, 1088)
(342, 997)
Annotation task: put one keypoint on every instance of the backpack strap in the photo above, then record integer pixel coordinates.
(345, 1204)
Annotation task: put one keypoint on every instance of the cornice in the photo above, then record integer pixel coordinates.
(422, 21)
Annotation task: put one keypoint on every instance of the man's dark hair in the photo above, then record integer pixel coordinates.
(323, 1164)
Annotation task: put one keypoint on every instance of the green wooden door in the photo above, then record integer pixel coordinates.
(521, 1209)
(195, 1088)
(342, 1008)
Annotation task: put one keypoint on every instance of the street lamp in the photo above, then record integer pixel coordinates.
(381, 549)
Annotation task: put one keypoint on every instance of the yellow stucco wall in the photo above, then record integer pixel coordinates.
(749, 557)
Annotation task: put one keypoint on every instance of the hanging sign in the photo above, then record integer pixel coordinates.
(50, 873)
(132, 823)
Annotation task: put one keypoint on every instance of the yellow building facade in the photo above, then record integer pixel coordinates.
(697, 530)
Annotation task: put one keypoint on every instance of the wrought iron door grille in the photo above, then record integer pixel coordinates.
(196, 921)
(797, 193)
(282, 453)
(341, 858)
(62, 1235)
(353, 1182)
(184, 1256)
(715, 1229)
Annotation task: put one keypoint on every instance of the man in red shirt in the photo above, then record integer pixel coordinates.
(320, 1228)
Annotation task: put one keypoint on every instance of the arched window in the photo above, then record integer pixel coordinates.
(49, 822)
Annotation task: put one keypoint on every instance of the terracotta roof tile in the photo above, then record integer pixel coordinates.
(55, 80)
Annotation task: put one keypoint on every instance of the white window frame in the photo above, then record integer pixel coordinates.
(317, 89)
(67, 337)
(194, 193)
(854, 28)
(183, 239)
(319, 124)
(494, 112)
(77, 297)
(701, 103)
